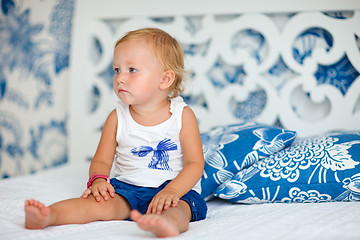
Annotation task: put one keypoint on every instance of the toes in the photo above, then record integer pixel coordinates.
(36, 204)
(135, 215)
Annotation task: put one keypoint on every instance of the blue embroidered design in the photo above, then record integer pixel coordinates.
(160, 158)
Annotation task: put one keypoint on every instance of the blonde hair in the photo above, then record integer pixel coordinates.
(167, 50)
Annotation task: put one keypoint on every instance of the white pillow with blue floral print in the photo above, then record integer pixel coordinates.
(313, 169)
(229, 149)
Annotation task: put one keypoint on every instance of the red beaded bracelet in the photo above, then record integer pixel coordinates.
(95, 176)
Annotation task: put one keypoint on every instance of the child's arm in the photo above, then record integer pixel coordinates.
(103, 160)
(193, 166)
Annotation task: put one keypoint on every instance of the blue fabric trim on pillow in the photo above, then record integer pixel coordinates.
(313, 169)
(232, 148)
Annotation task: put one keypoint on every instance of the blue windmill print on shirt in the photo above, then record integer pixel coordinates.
(160, 158)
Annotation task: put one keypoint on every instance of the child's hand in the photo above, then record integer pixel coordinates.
(165, 199)
(100, 188)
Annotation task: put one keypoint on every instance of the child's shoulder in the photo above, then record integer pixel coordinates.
(189, 120)
(188, 112)
(112, 118)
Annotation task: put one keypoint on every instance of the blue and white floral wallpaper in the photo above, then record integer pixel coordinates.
(34, 69)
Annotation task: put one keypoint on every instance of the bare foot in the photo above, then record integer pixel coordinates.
(37, 215)
(156, 224)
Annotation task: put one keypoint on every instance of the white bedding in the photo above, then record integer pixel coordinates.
(335, 220)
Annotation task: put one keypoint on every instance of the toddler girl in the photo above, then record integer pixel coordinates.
(156, 142)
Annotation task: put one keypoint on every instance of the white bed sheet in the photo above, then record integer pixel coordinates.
(336, 220)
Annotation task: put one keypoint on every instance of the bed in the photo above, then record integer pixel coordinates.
(225, 220)
(276, 90)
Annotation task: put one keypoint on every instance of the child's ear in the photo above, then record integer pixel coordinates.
(167, 79)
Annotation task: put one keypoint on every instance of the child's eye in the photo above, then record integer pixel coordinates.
(117, 70)
(132, 70)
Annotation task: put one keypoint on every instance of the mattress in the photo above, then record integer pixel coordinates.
(225, 220)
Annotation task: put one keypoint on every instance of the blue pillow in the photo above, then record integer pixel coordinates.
(313, 169)
(231, 148)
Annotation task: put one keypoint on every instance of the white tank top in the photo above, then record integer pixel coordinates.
(149, 155)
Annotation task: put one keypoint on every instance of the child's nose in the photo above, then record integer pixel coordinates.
(120, 78)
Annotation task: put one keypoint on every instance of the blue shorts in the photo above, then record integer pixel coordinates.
(139, 198)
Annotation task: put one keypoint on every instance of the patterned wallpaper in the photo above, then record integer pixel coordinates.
(34, 69)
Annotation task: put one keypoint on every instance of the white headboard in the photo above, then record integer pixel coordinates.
(277, 62)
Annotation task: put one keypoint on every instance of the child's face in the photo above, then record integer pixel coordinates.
(138, 73)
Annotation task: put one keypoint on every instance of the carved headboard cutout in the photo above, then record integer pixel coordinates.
(296, 66)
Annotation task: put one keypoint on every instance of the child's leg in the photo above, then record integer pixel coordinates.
(76, 210)
(170, 223)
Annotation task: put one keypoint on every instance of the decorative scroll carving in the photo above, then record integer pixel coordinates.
(300, 70)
